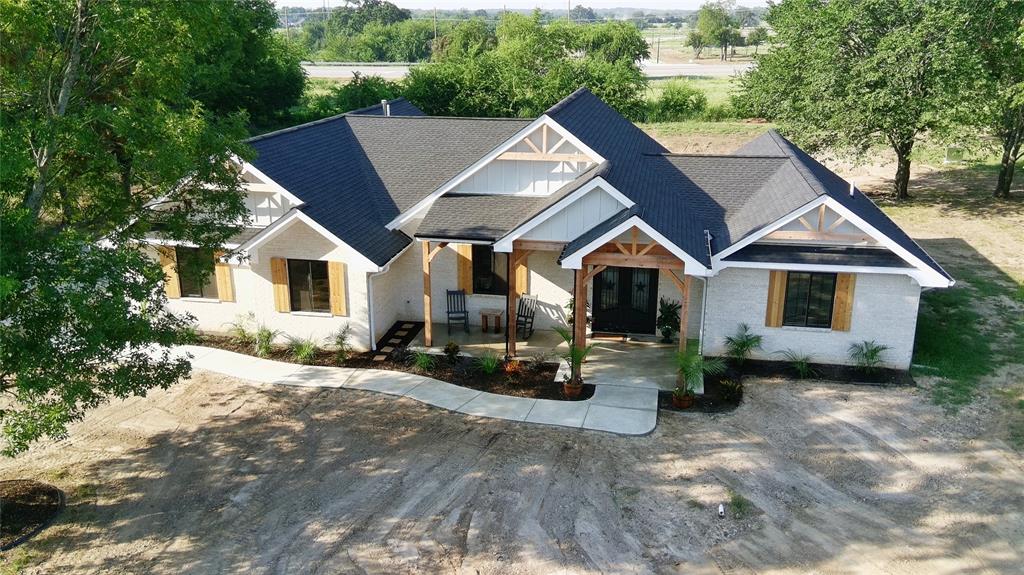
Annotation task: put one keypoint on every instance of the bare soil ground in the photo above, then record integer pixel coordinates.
(216, 475)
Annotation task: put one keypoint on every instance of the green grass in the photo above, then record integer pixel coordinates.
(739, 505)
(746, 130)
(717, 89)
(17, 560)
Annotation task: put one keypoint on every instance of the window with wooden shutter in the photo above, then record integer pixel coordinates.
(465, 255)
(168, 262)
(279, 277)
(776, 298)
(222, 271)
(336, 275)
(842, 306)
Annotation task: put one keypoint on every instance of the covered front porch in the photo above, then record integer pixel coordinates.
(579, 285)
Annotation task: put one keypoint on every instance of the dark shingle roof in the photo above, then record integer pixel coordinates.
(491, 216)
(820, 255)
(355, 172)
(398, 107)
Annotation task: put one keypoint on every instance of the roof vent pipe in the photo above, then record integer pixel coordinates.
(385, 107)
(852, 188)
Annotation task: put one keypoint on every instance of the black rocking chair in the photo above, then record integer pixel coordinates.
(524, 316)
(457, 309)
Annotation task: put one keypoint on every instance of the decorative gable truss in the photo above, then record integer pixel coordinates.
(826, 222)
(537, 160)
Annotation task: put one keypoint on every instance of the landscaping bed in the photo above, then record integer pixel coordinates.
(26, 507)
(721, 394)
(829, 372)
(530, 379)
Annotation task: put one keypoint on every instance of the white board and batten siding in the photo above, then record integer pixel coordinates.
(520, 177)
(571, 221)
(265, 207)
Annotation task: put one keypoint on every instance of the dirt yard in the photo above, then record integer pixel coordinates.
(217, 475)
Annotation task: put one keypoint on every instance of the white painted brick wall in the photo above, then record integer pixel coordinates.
(884, 310)
(254, 291)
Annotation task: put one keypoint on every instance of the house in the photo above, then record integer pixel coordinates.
(367, 218)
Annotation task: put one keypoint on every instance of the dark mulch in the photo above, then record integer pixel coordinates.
(836, 373)
(720, 395)
(521, 379)
(26, 507)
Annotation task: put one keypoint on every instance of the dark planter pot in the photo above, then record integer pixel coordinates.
(682, 401)
(572, 390)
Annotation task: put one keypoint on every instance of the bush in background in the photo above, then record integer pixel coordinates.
(679, 101)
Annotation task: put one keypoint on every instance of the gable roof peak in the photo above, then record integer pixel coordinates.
(564, 102)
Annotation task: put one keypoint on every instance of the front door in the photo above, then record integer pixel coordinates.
(625, 300)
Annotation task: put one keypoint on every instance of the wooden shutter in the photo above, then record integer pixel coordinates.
(522, 277)
(465, 255)
(169, 261)
(842, 306)
(222, 272)
(776, 298)
(279, 275)
(336, 277)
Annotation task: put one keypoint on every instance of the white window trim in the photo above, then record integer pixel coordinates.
(505, 243)
(508, 144)
(693, 267)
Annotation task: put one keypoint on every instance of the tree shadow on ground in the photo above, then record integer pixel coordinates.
(299, 480)
(965, 190)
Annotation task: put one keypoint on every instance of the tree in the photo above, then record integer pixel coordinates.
(999, 107)
(581, 13)
(352, 19)
(715, 26)
(252, 68)
(361, 92)
(103, 145)
(886, 78)
(696, 41)
(466, 39)
(756, 37)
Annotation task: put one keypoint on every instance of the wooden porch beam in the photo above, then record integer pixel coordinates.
(538, 246)
(437, 249)
(628, 261)
(579, 312)
(593, 272)
(623, 249)
(684, 305)
(634, 233)
(818, 236)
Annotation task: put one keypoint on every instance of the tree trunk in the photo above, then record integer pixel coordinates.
(1012, 141)
(44, 157)
(902, 182)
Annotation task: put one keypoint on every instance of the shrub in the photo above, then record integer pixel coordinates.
(867, 355)
(423, 361)
(342, 347)
(732, 390)
(538, 361)
(513, 366)
(739, 505)
(263, 339)
(488, 363)
(239, 329)
(801, 363)
(303, 349)
(739, 346)
(680, 101)
(451, 351)
(668, 318)
(718, 113)
(692, 368)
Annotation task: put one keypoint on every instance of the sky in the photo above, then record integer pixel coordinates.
(515, 4)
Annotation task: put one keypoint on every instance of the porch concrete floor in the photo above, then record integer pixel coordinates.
(632, 364)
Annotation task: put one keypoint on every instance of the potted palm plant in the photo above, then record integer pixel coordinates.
(692, 369)
(668, 318)
(572, 386)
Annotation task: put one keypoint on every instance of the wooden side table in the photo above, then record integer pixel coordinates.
(488, 313)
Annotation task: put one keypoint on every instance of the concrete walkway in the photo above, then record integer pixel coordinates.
(616, 409)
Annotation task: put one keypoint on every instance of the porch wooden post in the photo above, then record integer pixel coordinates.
(510, 303)
(579, 312)
(428, 335)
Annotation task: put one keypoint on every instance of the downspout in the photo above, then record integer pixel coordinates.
(704, 294)
(369, 304)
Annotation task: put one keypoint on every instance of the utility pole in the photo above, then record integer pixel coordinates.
(435, 27)
(657, 59)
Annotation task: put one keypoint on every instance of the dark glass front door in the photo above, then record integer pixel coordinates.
(625, 300)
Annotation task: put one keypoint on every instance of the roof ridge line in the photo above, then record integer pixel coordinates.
(426, 117)
(684, 155)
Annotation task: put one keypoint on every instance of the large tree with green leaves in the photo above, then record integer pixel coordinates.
(534, 65)
(854, 74)
(716, 26)
(998, 27)
(104, 144)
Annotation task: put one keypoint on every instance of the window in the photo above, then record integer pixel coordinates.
(308, 286)
(195, 272)
(809, 298)
(490, 271)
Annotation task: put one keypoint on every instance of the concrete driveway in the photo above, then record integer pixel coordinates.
(218, 476)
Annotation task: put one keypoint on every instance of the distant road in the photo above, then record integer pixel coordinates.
(395, 71)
